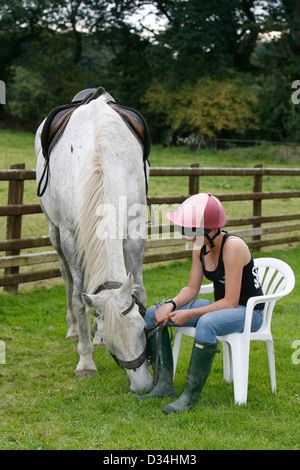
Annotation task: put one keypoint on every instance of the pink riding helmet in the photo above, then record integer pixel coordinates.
(199, 211)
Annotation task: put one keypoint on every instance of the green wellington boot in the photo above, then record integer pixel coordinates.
(164, 386)
(202, 358)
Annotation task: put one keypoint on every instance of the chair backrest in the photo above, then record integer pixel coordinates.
(275, 277)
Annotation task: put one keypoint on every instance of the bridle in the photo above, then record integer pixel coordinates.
(135, 363)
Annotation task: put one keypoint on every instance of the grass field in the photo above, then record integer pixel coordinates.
(18, 147)
(42, 406)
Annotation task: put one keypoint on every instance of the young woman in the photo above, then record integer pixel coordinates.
(225, 260)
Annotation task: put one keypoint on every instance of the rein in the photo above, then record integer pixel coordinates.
(153, 331)
(135, 363)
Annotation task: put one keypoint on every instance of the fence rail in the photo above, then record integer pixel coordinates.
(163, 248)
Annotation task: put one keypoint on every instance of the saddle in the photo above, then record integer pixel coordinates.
(59, 117)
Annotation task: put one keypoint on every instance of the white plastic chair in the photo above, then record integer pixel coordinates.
(277, 280)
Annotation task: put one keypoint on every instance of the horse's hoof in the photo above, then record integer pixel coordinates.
(85, 373)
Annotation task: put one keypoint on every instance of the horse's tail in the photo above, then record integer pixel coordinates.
(91, 244)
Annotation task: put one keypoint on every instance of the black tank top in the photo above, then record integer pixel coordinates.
(250, 281)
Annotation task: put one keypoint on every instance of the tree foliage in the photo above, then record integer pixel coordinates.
(208, 107)
(210, 70)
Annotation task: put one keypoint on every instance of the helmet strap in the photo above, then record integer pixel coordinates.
(211, 239)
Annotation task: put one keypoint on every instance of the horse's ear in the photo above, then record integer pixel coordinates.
(128, 284)
(87, 299)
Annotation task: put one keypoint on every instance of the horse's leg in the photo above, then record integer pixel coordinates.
(67, 277)
(134, 254)
(70, 316)
(86, 365)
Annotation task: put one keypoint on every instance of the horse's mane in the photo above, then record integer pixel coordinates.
(111, 319)
(91, 244)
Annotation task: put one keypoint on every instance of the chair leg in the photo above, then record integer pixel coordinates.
(227, 363)
(240, 370)
(271, 360)
(176, 349)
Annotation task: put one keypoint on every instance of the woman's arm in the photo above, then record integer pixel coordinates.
(235, 258)
(191, 291)
(186, 294)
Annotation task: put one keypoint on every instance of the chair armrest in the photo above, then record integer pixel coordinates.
(206, 289)
(260, 299)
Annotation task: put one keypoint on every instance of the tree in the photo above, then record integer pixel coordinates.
(50, 43)
(211, 51)
(24, 20)
(208, 108)
(277, 66)
(128, 74)
(208, 37)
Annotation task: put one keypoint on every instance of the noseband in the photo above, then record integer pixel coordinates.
(135, 363)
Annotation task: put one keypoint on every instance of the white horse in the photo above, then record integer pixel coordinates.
(97, 163)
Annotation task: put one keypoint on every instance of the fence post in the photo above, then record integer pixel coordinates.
(14, 222)
(194, 181)
(257, 203)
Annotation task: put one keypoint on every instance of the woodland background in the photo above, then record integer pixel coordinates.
(209, 68)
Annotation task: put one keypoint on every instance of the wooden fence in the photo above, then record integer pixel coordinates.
(161, 245)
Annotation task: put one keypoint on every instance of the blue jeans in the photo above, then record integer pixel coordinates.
(213, 324)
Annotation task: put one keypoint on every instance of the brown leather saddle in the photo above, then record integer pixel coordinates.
(58, 119)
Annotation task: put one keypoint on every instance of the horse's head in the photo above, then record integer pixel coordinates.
(123, 328)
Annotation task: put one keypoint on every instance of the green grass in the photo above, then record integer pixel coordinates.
(18, 147)
(269, 155)
(42, 406)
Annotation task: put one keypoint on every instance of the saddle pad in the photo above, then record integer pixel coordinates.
(58, 119)
(48, 136)
(137, 122)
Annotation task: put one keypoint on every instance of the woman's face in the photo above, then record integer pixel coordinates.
(198, 242)
(201, 240)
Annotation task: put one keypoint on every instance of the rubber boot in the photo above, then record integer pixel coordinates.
(202, 358)
(164, 386)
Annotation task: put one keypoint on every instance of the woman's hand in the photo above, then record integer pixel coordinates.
(162, 314)
(180, 317)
